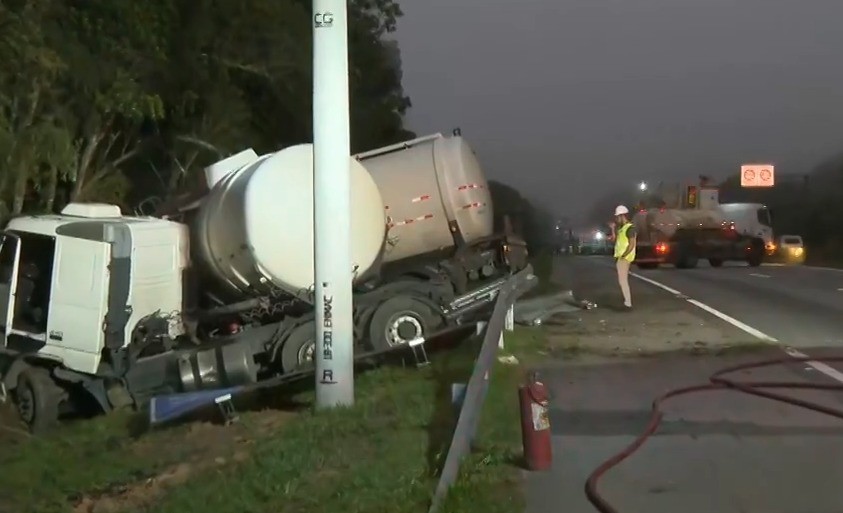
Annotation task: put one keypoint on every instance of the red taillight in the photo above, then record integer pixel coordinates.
(661, 247)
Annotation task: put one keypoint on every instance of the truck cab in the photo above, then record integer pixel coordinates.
(74, 286)
(751, 220)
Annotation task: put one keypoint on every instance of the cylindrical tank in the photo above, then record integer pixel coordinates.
(254, 229)
(663, 224)
(433, 190)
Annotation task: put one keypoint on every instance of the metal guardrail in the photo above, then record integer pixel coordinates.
(475, 392)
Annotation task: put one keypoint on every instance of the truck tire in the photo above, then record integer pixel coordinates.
(715, 262)
(401, 319)
(299, 350)
(687, 261)
(39, 399)
(755, 256)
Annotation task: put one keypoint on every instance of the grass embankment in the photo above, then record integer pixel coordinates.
(382, 455)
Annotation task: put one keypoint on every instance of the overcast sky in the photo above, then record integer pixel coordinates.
(562, 98)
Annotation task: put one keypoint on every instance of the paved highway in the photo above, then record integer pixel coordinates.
(799, 306)
(716, 452)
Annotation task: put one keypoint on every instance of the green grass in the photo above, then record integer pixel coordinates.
(382, 455)
(531, 346)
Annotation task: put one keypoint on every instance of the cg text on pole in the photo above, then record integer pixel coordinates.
(323, 19)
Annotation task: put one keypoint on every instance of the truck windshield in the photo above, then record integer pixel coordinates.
(764, 216)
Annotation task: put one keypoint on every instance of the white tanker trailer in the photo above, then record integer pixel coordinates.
(714, 232)
(122, 308)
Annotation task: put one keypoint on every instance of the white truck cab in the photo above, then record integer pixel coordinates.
(76, 284)
(750, 219)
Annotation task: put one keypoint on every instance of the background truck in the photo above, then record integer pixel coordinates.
(218, 292)
(700, 227)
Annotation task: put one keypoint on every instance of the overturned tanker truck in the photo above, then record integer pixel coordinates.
(218, 292)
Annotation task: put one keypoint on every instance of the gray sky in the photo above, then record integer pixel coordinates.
(564, 98)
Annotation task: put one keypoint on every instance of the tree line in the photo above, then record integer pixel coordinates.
(809, 204)
(534, 223)
(118, 101)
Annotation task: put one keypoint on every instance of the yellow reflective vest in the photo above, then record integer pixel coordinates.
(622, 242)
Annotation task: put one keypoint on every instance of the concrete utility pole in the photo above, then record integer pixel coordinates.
(332, 206)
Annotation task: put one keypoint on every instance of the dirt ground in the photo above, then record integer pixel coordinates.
(11, 431)
(165, 457)
(658, 322)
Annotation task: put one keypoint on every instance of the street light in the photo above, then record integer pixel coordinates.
(642, 186)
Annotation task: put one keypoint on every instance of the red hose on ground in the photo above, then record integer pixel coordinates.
(716, 382)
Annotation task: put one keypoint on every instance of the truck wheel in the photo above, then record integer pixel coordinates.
(715, 262)
(38, 399)
(299, 350)
(755, 254)
(401, 319)
(687, 261)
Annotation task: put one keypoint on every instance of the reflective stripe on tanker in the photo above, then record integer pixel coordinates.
(468, 186)
(425, 197)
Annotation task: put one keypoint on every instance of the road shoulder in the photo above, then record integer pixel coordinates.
(659, 322)
(604, 367)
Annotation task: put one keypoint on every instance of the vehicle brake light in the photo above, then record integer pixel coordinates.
(661, 247)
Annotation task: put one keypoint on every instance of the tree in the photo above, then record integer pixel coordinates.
(34, 146)
(117, 101)
(535, 224)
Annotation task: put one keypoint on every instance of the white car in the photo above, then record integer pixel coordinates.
(791, 248)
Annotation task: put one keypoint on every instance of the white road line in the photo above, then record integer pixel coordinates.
(657, 284)
(758, 275)
(829, 371)
(734, 322)
(824, 268)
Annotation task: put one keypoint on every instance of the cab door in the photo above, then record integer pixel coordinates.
(78, 302)
(9, 263)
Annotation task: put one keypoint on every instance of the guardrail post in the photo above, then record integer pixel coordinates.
(480, 326)
(508, 325)
(473, 395)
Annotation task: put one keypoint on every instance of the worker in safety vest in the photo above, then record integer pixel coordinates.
(625, 239)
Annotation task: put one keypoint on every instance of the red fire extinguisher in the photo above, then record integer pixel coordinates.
(535, 424)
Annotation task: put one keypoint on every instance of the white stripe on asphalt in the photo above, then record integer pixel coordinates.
(657, 284)
(829, 371)
(757, 275)
(824, 268)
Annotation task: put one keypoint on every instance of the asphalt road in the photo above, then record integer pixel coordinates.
(721, 452)
(797, 305)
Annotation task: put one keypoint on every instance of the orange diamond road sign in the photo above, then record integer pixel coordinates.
(758, 175)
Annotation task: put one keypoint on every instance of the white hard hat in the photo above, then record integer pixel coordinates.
(621, 210)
